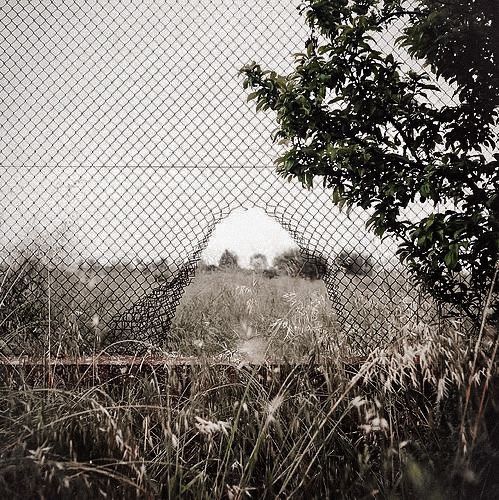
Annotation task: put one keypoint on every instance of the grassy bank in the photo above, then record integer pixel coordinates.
(399, 425)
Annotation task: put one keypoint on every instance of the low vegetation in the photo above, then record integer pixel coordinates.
(277, 405)
(286, 309)
(408, 422)
(236, 313)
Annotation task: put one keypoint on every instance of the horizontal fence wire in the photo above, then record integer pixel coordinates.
(126, 139)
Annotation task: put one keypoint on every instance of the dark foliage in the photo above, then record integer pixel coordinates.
(270, 273)
(294, 264)
(375, 133)
(23, 305)
(228, 260)
(258, 262)
(354, 263)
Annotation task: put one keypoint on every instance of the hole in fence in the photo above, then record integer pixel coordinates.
(254, 296)
(268, 301)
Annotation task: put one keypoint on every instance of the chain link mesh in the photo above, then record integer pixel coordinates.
(126, 137)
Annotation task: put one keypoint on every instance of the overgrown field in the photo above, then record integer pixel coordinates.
(416, 417)
(239, 313)
(67, 311)
(408, 422)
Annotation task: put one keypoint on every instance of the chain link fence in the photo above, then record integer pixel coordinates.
(126, 138)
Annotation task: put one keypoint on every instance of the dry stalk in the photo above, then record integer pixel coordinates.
(490, 365)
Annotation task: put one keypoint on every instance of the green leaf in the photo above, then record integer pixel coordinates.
(252, 96)
(337, 194)
(452, 257)
(425, 190)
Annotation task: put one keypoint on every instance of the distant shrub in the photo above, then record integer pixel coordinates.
(204, 267)
(288, 262)
(258, 262)
(354, 263)
(270, 273)
(292, 263)
(228, 260)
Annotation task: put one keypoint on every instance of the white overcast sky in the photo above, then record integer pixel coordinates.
(104, 103)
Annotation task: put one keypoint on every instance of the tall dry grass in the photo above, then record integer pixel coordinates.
(411, 420)
(389, 427)
(237, 313)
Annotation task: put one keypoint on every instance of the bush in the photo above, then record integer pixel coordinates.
(270, 273)
(228, 260)
(293, 263)
(258, 262)
(354, 263)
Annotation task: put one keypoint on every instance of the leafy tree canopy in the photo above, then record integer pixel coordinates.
(375, 132)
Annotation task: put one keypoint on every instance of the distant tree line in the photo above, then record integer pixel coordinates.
(293, 263)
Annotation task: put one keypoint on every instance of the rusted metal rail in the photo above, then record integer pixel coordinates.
(179, 373)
